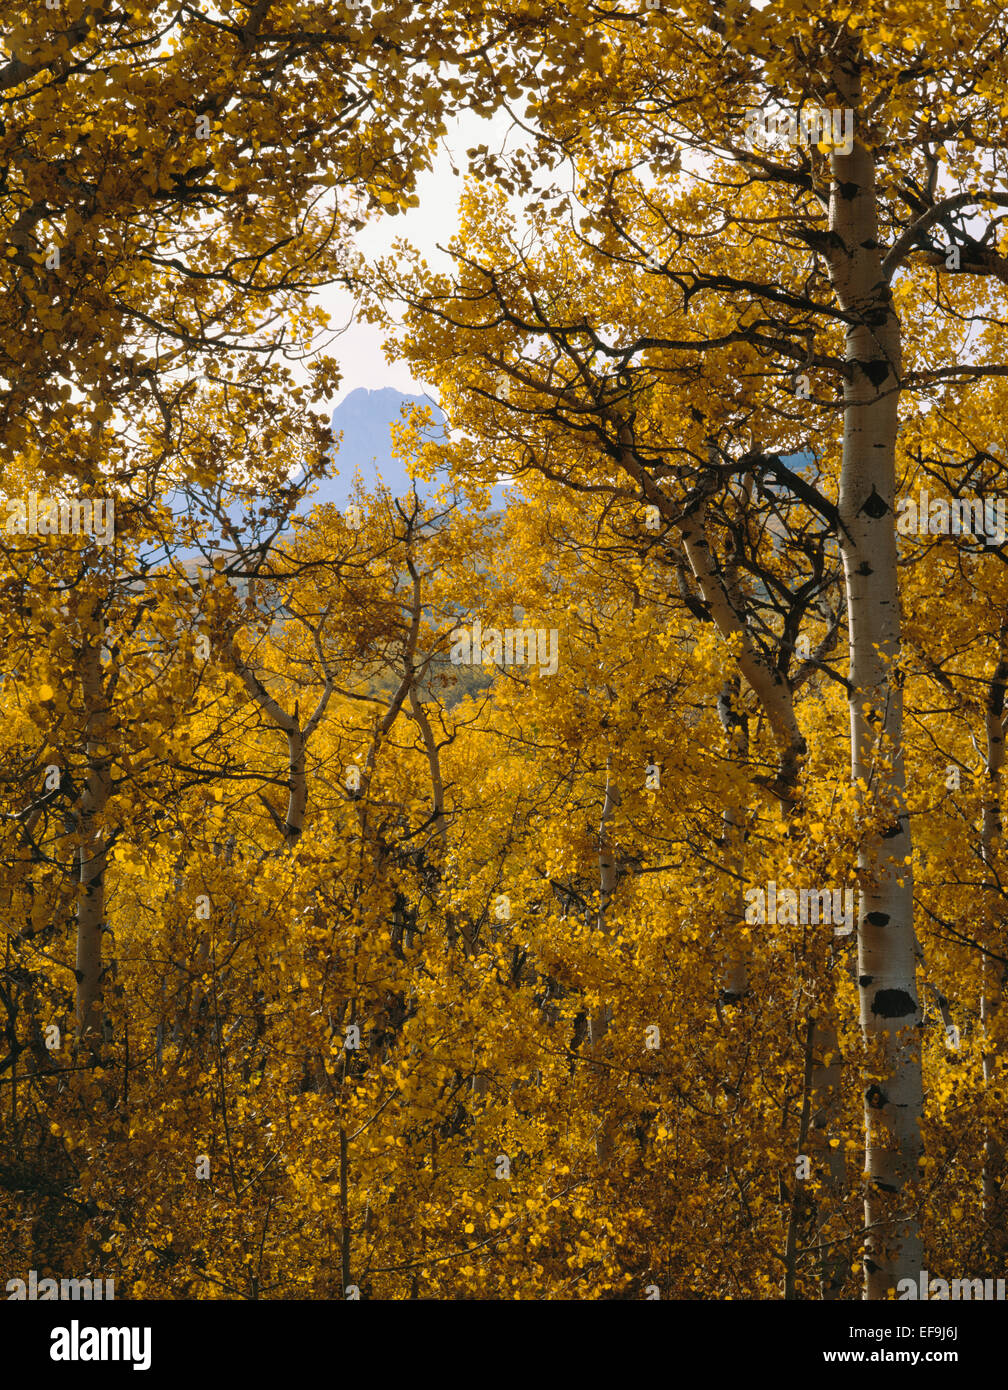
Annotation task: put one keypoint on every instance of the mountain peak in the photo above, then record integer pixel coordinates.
(381, 402)
(363, 418)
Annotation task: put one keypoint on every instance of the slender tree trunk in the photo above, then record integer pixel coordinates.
(887, 947)
(92, 852)
(992, 970)
(736, 728)
(344, 1173)
(600, 1019)
(772, 690)
(797, 1196)
(828, 1161)
(292, 826)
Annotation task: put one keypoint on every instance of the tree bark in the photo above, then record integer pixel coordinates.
(828, 1161)
(887, 948)
(92, 851)
(772, 689)
(600, 1018)
(292, 825)
(992, 970)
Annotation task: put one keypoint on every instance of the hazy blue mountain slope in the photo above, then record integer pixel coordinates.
(363, 418)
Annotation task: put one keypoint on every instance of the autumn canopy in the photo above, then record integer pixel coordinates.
(598, 898)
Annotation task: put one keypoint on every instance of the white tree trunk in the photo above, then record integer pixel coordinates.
(887, 946)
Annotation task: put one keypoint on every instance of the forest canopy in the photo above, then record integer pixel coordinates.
(598, 898)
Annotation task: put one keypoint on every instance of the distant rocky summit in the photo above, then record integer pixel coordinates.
(363, 418)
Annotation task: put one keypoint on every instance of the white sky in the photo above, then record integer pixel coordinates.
(359, 349)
